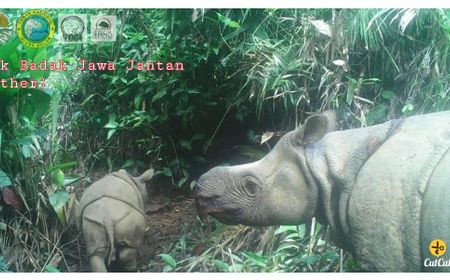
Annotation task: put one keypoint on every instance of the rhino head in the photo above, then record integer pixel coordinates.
(271, 191)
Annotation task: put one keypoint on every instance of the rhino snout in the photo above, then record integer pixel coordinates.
(207, 188)
(205, 202)
(210, 200)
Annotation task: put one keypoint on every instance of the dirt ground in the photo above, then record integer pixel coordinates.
(167, 220)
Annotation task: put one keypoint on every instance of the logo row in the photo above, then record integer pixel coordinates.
(35, 28)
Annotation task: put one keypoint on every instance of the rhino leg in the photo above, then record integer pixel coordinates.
(97, 245)
(127, 256)
(97, 263)
(129, 234)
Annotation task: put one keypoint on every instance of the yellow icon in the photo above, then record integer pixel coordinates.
(6, 29)
(3, 20)
(437, 247)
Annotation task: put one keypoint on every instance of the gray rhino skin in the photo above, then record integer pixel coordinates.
(112, 220)
(383, 190)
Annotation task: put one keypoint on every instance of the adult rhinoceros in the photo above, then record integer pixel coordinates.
(383, 190)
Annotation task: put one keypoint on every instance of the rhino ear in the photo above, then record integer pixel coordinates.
(332, 120)
(314, 128)
(147, 175)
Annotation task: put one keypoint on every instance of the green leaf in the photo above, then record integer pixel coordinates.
(128, 163)
(255, 259)
(110, 133)
(26, 151)
(159, 95)
(388, 94)
(192, 185)
(222, 265)
(61, 166)
(186, 144)
(4, 180)
(58, 199)
(23, 75)
(351, 91)
(283, 229)
(36, 104)
(407, 108)
(377, 114)
(59, 178)
(237, 267)
(40, 55)
(330, 255)
(169, 260)
(71, 180)
(167, 268)
(234, 24)
(27, 140)
(165, 171)
(222, 18)
(182, 181)
(141, 78)
(287, 246)
(111, 124)
(8, 48)
(3, 265)
(56, 98)
(51, 268)
(317, 227)
(138, 101)
(123, 92)
(310, 259)
(227, 21)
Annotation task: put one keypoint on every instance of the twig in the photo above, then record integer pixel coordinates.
(363, 99)
(176, 155)
(217, 128)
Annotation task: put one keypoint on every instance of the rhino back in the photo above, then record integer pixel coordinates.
(384, 208)
(436, 210)
(116, 185)
(126, 226)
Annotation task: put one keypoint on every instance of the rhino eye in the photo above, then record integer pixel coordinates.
(251, 187)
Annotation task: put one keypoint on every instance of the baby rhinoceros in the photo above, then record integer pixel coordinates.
(112, 219)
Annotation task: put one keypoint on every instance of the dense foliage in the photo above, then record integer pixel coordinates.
(250, 75)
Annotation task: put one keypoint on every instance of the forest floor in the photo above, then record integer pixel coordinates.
(168, 219)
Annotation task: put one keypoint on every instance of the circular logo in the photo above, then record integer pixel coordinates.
(6, 29)
(437, 247)
(72, 28)
(35, 28)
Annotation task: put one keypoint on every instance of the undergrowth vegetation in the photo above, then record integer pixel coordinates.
(302, 248)
(249, 76)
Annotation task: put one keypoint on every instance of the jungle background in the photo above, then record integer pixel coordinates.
(250, 76)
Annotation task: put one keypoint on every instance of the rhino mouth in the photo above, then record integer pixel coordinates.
(210, 206)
